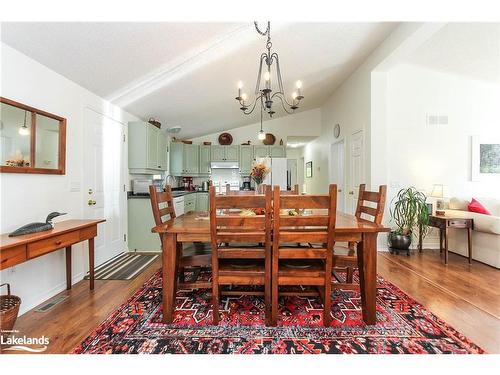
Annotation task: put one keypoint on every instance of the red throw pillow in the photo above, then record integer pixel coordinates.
(475, 206)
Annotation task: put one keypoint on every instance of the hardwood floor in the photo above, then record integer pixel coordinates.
(69, 322)
(465, 296)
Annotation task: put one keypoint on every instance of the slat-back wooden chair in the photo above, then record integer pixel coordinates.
(190, 256)
(240, 231)
(345, 257)
(315, 228)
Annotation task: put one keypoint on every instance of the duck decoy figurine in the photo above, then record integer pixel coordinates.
(37, 227)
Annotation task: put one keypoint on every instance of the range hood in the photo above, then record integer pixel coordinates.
(224, 165)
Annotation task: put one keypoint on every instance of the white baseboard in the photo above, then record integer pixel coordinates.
(37, 300)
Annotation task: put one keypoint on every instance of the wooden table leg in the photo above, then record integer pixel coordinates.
(446, 246)
(91, 263)
(440, 240)
(169, 261)
(469, 239)
(367, 265)
(68, 268)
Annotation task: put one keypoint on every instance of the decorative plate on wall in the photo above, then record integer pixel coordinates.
(269, 140)
(225, 139)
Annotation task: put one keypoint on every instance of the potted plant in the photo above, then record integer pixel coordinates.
(410, 214)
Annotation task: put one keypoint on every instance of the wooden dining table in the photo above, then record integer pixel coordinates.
(195, 227)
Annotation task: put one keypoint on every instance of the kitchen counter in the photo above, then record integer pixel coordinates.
(175, 194)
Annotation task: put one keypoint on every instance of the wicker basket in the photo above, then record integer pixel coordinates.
(9, 308)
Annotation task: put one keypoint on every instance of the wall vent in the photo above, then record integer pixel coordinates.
(436, 120)
(48, 305)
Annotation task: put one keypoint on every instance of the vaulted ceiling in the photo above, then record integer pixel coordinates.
(469, 49)
(185, 74)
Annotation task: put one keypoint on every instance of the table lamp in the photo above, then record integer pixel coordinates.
(439, 192)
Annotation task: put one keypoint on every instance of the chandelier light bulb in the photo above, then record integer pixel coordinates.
(298, 84)
(262, 135)
(240, 84)
(244, 96)
(23, 130)
(294, 95)
(267, 76)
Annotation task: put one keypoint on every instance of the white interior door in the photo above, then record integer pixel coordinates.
(104, 182)
(356, 162)
(337, 172)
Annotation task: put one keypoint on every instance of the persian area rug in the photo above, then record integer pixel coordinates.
(403, 326)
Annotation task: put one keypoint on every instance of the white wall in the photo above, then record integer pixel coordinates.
(422, 155)
(29, 197)
(350, 106)
(307, 123)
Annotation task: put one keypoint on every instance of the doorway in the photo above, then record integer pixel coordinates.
(103, 182)
(337, 171)
(356, 175)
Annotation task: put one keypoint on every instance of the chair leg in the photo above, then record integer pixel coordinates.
(267, 291)
(215, 303)
(327, 297)
(180, 272)
(274, 303)
(350, 272)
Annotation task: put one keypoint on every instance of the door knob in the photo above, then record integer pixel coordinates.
(91, 191)
(91, 202)
(351, 192)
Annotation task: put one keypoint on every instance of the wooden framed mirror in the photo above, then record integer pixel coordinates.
(31, 140)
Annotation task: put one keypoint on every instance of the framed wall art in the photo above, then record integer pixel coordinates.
(309, 169)
(485, 158)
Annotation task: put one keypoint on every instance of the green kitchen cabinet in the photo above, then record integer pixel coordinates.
(232, 153)
(202, 202)
(147, 148)
(217, 153)
(189, 203)
(176, 158)
(246, 159)
(162, 151)
(277, 151)
(152, 144)
(140, 222)
(225, 153)
(261, 151)
(191, 159)
(205, 157)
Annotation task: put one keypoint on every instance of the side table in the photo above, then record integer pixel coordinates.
(444, 223)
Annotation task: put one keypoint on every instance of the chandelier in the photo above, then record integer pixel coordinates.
(271, 89)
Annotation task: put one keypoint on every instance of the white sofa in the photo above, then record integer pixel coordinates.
(486, 233)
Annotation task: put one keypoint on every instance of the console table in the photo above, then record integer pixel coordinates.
(16, 250)
(444, 223)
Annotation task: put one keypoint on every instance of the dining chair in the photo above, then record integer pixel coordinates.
(370, 207)
(247, 258)
(196, 255)
(297, 265)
